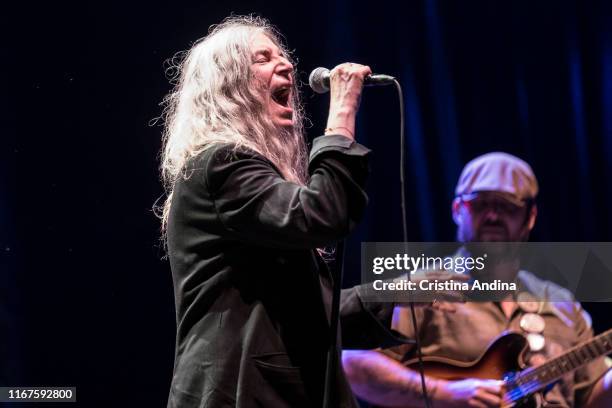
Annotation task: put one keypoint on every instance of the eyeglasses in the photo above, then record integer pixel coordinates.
(479, 203)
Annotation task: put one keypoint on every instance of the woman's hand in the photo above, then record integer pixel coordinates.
(346, 84)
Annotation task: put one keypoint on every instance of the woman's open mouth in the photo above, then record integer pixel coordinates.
(281, 96)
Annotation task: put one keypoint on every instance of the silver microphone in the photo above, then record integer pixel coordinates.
(319, 80)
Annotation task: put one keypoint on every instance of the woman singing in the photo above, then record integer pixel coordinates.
(247, 210)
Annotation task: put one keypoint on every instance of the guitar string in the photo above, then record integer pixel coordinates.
(573, 352)
(526, 385)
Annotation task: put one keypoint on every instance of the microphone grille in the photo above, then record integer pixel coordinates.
(318, 80)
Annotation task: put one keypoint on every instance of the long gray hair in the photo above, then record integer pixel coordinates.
(214, 101)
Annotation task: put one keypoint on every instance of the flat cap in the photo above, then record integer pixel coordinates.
(500, 172)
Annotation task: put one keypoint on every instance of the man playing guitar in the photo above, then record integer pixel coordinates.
(464, 365)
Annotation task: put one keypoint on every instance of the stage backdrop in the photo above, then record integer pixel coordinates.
(86, 299)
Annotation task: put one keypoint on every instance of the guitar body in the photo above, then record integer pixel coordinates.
(504, 360)
(504, 356)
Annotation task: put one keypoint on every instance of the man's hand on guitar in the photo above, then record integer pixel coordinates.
(471, 392)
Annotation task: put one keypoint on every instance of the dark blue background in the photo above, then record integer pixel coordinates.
(86, 300)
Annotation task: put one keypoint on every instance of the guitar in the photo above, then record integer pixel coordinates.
(504, 360)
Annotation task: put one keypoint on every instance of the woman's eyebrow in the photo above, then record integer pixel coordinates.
(263, 50)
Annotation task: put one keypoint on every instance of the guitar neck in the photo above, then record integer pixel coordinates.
(542, 375)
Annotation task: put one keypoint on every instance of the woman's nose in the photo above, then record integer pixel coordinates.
(285, 68)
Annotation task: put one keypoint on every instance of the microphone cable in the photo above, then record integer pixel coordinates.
(338, 273)
(405, 237)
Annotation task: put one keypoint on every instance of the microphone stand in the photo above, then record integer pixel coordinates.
(332, 353)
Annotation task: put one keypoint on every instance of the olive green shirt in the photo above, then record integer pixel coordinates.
(465, 334)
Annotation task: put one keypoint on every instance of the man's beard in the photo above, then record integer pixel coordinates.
(497, 251)
(499, 228)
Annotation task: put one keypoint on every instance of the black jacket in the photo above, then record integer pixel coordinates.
(252, 293)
